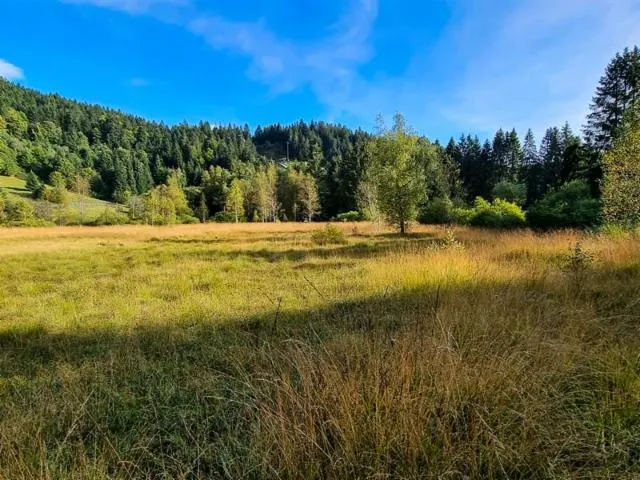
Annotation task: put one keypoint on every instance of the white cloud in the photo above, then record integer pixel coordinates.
(10, 71)
(532, 63)
(327, 65)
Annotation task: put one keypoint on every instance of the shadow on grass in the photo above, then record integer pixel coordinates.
(25, 352)
(353, 251)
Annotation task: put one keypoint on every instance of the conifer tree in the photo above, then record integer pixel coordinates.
(617, 91)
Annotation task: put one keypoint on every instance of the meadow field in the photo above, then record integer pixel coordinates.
(78, 207)
(249, 351)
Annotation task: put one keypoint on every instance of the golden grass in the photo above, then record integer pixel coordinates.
(247, 351)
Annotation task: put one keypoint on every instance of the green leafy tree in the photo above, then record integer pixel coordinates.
(309, 197)
(621, 183)
(235, 200)
(511, 192)
(398, 172)
(19, 211)
(368, 199)
(136, 207)
(215, 182)
(17, 123)
(570, 205)
(8, 164)
(82, 188)
(159, 207)
(58, 193)
(264, 193)
(177, 195)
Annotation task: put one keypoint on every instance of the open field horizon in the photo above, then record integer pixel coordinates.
(249, 351)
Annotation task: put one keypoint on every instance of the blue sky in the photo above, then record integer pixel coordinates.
(450, 66)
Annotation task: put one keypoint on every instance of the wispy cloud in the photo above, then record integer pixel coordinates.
(10, 71)
(522, 64)
(132, 6)
(329, 66)
(539, 64)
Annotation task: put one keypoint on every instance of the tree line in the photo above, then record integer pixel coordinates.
(316, 170)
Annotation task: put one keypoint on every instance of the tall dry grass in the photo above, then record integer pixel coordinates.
(250, 352)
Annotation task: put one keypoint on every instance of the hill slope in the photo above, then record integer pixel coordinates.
(90, 208)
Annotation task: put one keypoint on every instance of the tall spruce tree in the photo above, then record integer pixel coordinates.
(617, 91)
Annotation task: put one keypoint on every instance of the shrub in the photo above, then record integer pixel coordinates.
(329, 235)
(498, 214)
(19, 211)
(224, 217)
(3, 205)
(450, 240)
(577, 265)
(110, 217)
(352, 216)
(437, 211)
(188, 220)
(571, 205)
(614, 230)
(461, 216)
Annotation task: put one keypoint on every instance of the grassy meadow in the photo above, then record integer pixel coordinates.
(249, 351)
(87, 208)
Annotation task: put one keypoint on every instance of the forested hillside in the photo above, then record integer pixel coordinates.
(301, 171)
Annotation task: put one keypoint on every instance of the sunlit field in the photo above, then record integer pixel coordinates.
(249, 351)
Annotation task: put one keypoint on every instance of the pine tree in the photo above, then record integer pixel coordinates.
(551, 155)
(499, 158)
(529, 150)
(514, 157)
(617, 91)
(34, 185)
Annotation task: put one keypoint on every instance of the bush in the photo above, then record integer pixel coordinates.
(224, 217)
(188, 220)
(111, 217)
(329, 235)
(437, 211)
(571, 205)
(352, 216)
(498, 214)
(19, 211)
(461, 216)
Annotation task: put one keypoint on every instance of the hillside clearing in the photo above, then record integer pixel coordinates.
(91, 207)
